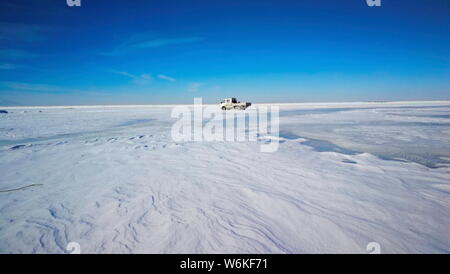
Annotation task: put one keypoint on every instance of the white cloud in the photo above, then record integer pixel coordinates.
(124, 73)
(165, 77)
(136, 79)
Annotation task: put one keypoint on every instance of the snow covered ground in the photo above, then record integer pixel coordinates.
(113, 180)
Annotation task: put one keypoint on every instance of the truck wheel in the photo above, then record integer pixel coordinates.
(224, 108)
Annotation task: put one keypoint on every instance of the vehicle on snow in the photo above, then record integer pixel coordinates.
(232, 103)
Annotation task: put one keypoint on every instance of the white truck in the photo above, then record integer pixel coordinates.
(232, 103)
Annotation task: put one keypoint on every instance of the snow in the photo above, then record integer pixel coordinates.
(113, 180)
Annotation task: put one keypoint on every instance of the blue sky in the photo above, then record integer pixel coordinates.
(152, 52)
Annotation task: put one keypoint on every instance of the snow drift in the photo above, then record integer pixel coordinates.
(112, 180)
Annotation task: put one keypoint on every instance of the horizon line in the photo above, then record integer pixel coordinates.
(169, 105)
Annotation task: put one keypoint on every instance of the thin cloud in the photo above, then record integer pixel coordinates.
(143, 79)
(165, 77)
(136, 79)
(21, 86)
(166, 42)
(22, 32)
(124, 73)
(138, 44)
(7, 66)
(194, 87)
(13, 54)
